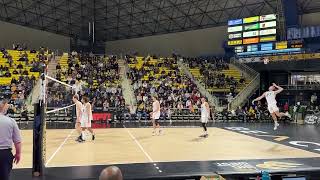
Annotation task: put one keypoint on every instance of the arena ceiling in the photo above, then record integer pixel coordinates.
(123, 19)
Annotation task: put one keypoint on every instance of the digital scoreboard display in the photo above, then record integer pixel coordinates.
(282, 45)
(252, 48)
(239, 49)
(258, 35)
(251, 30)
(295, 44)
(266, 46)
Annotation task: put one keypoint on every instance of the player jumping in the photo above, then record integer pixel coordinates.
(272, 103)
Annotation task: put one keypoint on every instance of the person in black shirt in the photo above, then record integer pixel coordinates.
(14, 81)
(7, 74)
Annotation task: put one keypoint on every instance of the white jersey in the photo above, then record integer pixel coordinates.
(204, 111)
(271, 98)
(79, 110)
(86, 117)
(156, 113)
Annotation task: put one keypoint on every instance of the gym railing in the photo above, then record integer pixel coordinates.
(242, 96)
(211, 99)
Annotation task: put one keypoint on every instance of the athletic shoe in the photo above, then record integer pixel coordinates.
(93, 137)
(276, 124)
(160, 132)
(203, 135)
(78, 138)
(288, 115)
(206, 135)
(153, 133)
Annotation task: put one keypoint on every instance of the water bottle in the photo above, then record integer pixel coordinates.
(265, 175)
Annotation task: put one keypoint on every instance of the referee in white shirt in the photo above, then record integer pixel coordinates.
(9, 134)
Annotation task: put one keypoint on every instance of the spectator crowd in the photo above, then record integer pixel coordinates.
(18, 68)
(94, 76)
(162, 78)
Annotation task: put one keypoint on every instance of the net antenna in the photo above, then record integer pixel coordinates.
(54, 100)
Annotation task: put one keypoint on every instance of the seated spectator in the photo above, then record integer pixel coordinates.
(252, 112)
(7, 74)
(15, 71)
(14, 81)
(58, 67)
(25, 72)
(20, 66)
(33, 78)
(10, 61)
(20, 78)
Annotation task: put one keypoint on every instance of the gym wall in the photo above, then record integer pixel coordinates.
(34, 38)
(188, 43)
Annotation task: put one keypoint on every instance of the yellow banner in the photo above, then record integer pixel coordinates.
(267, 38)
(282, 45)
(235, 42)
(251, 19)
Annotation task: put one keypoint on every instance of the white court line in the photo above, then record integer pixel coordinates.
(54, 154)
(137, 142)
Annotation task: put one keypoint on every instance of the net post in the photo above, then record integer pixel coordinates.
(39, 133)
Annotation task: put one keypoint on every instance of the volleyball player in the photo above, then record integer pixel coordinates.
(205, 114)
(79, 107)
(86, 118)
(155, 115)
(272, 103)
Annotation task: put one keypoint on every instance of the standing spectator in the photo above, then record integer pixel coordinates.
(314, 99)
(286, 107)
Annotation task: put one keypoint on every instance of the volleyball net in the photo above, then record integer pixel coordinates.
(54, 103)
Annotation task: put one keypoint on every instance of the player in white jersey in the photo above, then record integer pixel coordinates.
(205, 115)
(79, 108)
(272, 103)
(155, 115)
(86, 118)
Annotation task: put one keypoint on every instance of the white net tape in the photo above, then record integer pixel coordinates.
(58, 96)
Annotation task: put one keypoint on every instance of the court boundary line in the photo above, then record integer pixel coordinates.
(138, 143)
(58, 149)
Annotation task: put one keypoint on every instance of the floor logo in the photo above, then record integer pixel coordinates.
(239, 166)
(277, 165)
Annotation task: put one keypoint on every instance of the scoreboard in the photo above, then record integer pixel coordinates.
(252, 29)
(257, 34)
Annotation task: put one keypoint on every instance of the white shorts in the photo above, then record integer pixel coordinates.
(85, 124)
(204, 119)
(156, 115)
(273, 108)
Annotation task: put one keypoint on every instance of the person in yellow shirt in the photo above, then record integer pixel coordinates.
(252, 112)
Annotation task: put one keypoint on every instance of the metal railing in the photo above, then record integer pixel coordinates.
(302, 87)
(242, 96)
(211, 99)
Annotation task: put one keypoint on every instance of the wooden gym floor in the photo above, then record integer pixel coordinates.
(136, 145)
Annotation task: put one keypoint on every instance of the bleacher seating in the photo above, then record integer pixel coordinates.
(97, 77)
(217, 76)
(161, 77)
(15, 57)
